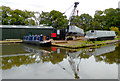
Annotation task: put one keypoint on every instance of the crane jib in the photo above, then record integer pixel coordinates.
(73, 12)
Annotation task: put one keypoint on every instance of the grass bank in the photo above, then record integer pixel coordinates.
(83, 44)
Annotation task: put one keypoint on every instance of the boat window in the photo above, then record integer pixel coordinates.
(74, 33)
(38, 38)
(92, 31)
(26, 37)
(34, 38)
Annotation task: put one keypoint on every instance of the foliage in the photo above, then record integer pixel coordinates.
(83, 21)
(16, 17)
(54, 19)
(111, 57)
(95, 25)
(108, 18)
(103, 20)
(116, 29)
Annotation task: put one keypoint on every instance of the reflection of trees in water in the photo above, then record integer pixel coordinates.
(54, 57)
(12, 49)
(86, 53)
(11, 61)
(111, 57)
(37, 57)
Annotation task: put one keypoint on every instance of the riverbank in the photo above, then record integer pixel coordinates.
(73, 44)
(83, 43)
(11, 41)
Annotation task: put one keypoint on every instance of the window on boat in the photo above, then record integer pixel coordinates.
(92, 31)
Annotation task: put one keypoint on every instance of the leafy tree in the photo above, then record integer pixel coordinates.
(54, 18)
(44, 18)
(108, 18)
(86, 20)
(110, 15)
(103, 20)
(83, 21)
(116, 20)
(95, 25)
(16, 17)
(116, 29)
(99, 18)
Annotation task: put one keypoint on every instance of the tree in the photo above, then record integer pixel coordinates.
(99, 18)
(95, 25)
(5, 14)
(116, 20)
(116, 29)
(44, 18)
(16, 17)
(108, 18)
(102, 20)
(54, 19)
(83, 21)
(86, 20)
(112, 17)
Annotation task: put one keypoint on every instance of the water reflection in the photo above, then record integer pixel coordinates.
(74, 65)
(108, 54)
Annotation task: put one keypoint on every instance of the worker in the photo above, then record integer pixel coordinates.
(41, 34)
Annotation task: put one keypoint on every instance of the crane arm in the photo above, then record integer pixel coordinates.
(73, 12)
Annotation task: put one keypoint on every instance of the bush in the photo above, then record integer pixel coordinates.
(116, 29)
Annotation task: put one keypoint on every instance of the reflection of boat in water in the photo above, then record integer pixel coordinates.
(101, 50)
(37, 40)
(31, 56)
(29, 51)
(104, 49)
(75, 65)
(71, 58)
(35, 51)
(74, 57)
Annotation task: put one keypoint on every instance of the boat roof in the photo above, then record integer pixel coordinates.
(23, 26)
(100, 31)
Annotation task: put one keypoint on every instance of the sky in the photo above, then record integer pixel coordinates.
(85, 6)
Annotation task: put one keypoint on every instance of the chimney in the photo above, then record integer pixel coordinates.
(77, 12)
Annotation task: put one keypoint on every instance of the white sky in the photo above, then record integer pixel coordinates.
(85, 6)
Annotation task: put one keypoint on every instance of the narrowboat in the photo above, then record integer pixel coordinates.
(37, 40)
(100, 35)
(75, 31)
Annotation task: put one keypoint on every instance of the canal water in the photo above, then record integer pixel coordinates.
(23, 61)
